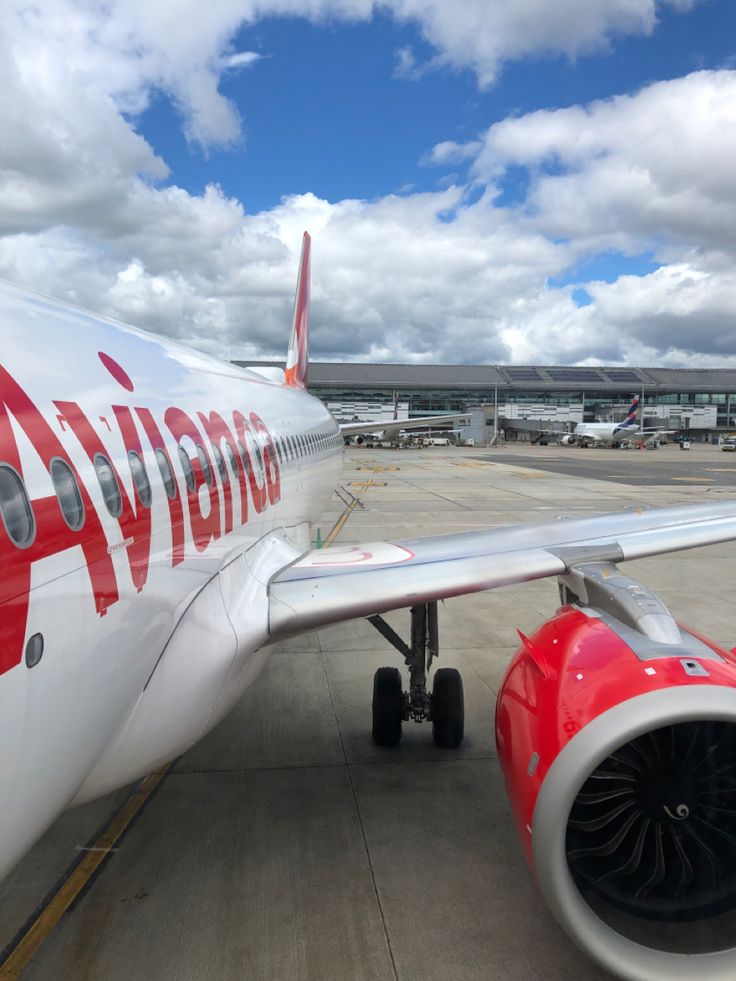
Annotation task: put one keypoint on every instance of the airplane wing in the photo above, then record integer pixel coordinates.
(340, 583)
(395, 425)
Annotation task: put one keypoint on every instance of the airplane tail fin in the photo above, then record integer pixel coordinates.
(297, 358)
(630, 420)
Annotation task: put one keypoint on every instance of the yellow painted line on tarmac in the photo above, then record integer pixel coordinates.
(693, 480)
(26, 946)
(340, 523)
(470, 463)
(378, 469)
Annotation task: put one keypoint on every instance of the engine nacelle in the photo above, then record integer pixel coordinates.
(568, 440)
(616, 732)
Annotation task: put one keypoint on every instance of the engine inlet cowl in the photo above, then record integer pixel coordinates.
(634, 836)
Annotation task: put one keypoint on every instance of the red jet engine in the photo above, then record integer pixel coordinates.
(616, 732)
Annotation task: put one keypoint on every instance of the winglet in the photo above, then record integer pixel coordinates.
(297, 358)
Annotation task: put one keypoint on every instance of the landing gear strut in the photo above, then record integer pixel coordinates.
(444, 708)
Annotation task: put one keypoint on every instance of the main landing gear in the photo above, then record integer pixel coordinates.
(444, 708)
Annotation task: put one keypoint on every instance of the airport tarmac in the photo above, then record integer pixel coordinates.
(285, 846)
(703, 463)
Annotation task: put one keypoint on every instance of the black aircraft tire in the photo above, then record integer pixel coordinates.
(387, 707)
(448, 709)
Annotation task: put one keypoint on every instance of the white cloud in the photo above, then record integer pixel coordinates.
(85, 211)
(242, 59)
(450, 152)
(655, 165)
(482, 35)
(406, 64)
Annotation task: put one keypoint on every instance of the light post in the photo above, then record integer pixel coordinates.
(495, 413)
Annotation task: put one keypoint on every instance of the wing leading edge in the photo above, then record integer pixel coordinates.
(340, 583)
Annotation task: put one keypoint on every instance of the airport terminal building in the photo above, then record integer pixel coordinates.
(701, 401)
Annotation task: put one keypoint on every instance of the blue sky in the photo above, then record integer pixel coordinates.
(324, 112)
(484, 181)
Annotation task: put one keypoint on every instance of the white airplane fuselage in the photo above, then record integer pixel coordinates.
(151, 618)
(601, 432)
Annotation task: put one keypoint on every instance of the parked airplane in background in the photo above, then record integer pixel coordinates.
(390, 430)
(156, 508)
(611, 433)
(361, 434)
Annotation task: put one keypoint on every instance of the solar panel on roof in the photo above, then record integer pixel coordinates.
(574, 374)
(523, 373)
(621, 376)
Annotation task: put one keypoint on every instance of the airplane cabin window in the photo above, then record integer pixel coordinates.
(108, 485)
(277, 443)
(204, 463)
(255, 455)
(220, 461)
(15, 508)
(140, 478)
(186, 466)
(259, 460)
(166, 473)
(244, 457)
(232, 457)
(67, 493)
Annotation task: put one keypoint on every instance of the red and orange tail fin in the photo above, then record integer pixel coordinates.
(297, 358)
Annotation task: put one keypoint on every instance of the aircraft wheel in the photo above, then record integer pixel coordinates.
(387, 707)
(448, 709)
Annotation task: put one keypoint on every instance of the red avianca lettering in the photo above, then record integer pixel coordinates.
(249, 449)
